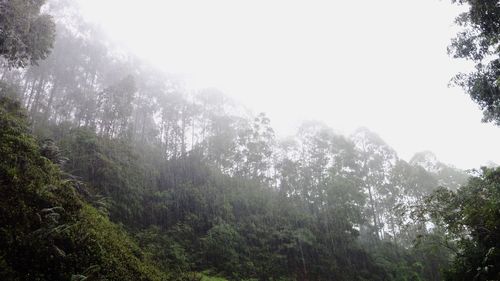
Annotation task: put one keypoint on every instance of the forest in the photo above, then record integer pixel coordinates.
(111, 169)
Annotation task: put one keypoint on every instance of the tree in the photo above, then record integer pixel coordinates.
(255, 148)
(115, 107)
(472, 222)
(479, 42)
(376, 160)
(200, 181)
(26, 34)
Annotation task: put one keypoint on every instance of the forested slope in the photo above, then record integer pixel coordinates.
(47, 231)
(113, 170)
(184, 215)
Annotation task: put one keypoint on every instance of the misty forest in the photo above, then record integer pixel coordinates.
(111, 169)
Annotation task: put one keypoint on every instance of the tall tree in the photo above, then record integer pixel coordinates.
(26, 34)
(479, 42)
(376, 161)
(115, 107)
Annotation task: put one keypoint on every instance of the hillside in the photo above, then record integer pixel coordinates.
(48, 230)
(113, 170)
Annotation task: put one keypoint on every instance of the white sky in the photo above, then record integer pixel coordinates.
(380, 64)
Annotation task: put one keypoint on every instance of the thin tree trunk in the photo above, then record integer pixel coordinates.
(372, 203)
(50, 101)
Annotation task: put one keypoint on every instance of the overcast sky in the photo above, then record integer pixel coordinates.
(379, 64)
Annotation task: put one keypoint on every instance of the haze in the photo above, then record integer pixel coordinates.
(378, 64)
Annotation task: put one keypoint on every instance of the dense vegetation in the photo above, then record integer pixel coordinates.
(111, 170)
(47, 231)
(471, 219)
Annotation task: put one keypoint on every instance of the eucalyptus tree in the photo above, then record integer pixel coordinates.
(114, 107)
(255, 147)
(446, 175)
(318, 168)
(376, 160)
(304, 161)
(410, 184)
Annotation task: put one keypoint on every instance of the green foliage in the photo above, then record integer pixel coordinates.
(164, 250)
(198, 187)
(472, 222)
(480, 42)
(26, 35)
(222, 245)
(187, 216)
(190, 217)
(46, 231)
(111, 170)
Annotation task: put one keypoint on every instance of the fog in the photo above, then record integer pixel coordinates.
(249, 140)
(378, 64)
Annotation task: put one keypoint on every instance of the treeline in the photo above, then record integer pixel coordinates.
(85, 83)
(202, 185)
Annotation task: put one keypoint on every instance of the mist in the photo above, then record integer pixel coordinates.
(249, 140)
(380, 65)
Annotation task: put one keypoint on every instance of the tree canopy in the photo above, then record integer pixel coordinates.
(26, 34)
(113, 170)
(479, 41)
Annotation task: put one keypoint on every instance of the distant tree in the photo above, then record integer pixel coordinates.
(376, 161)
(479, 42)
(255, 142)
(409, 184)
(204, 185)
(115, 107)
(26, 35)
